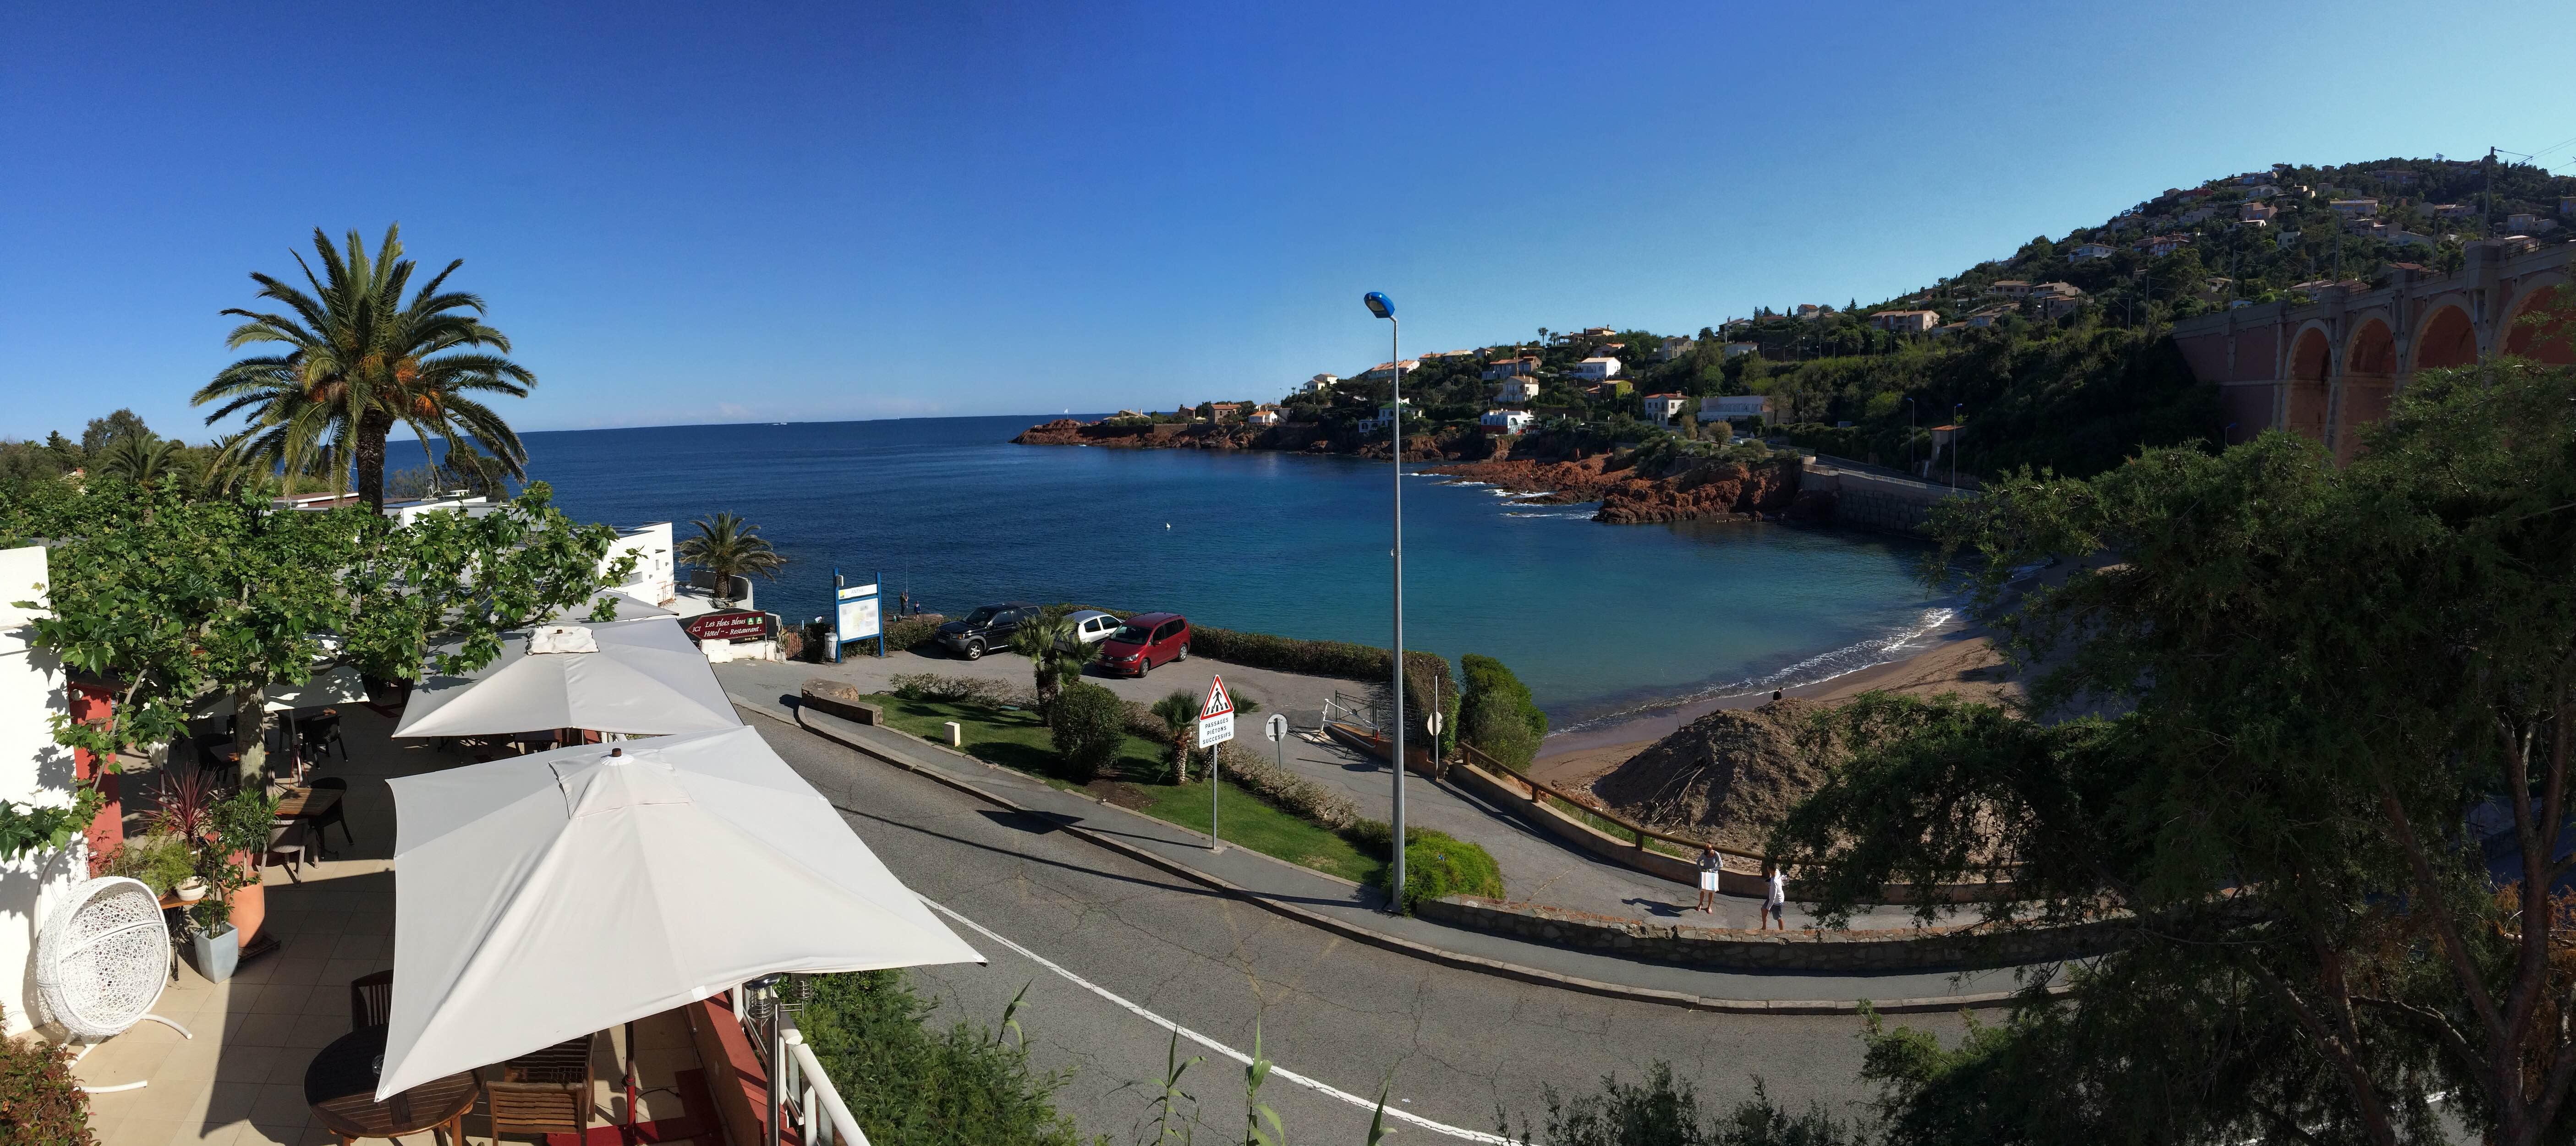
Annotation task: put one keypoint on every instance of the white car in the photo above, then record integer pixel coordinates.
(1091, 626)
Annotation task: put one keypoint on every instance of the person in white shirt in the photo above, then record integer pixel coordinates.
(1708, 869)
(1775, 902)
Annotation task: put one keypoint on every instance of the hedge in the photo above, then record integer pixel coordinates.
(1497, 714)
(1089, 728)
(1285, 790)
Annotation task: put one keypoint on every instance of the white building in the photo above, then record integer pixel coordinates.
(1320, 383)
(1385, 417)
(654, 580)
(1516, 367)
(34, 771)
(1905, 321)
(1517, 390)
(1265, 416)
(1737, 349)
(1596, 369)
(1387, 370)
(2085, 251)
(1661, 409)
(1735, 408)
(2355, 208)
(1505, 421)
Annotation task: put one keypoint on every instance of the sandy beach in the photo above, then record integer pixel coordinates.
(1962, 661)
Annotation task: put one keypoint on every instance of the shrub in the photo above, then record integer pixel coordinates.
(1436, 864)
(909, 633)
(40, 1101)
(1664, 1111)
(160, 860)
(1287, 654)
(908, 1084)
(943, 689)
(1090, 724)
(1496, 715)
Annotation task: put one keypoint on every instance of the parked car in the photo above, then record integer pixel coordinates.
(986, 629)
(1146, 640)
(1090, 627)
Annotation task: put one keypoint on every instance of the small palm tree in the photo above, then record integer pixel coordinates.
(728, 547)
(1180, 713)
(1053, 644)
(142, 460)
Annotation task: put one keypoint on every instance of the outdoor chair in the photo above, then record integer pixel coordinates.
(371, 1000)
(337, 813)
(544, 1092)
(288, 853)
(320, 734)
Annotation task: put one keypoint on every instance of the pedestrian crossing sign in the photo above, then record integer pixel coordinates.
(1217, 702)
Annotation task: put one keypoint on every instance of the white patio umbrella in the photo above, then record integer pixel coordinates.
(644, 678)
(545, 897)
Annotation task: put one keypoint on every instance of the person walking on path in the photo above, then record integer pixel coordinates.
(1708, 869)
(1775, 902)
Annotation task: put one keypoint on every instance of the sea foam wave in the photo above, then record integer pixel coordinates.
(1817, 669)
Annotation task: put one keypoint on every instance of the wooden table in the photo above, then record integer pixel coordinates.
(341, 1085)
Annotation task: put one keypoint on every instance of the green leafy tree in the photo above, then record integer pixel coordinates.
(361, 360)
(1089, 723)
(1496, 713)
(2340, 691)
(103, 434)
(728, 547)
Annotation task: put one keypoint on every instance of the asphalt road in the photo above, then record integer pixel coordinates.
(1458, 1049)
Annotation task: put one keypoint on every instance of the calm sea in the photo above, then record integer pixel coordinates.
(1599, 620)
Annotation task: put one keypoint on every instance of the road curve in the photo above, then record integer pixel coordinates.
(1457, 1048)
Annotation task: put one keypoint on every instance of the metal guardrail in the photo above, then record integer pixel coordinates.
(801, 1095)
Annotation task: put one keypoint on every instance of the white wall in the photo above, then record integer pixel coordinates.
(33, 770)
(652, 582)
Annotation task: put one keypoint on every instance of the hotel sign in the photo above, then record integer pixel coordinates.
(730, 625)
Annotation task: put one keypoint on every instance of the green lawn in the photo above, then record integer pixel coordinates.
(1019, 741)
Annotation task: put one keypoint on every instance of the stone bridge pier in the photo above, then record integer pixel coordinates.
(2327, 368)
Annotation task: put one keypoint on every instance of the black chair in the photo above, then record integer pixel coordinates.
(371, 1000)
(337, 813)
(320, 734)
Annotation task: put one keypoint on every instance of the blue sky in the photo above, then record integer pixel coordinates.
(691, 213)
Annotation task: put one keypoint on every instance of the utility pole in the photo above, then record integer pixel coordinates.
(1379, 305)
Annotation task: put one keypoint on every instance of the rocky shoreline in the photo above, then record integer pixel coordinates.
(1701, 490)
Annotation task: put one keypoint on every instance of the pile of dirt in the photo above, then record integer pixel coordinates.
(1727, 776)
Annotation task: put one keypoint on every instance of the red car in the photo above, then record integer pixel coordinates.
(1146, 640)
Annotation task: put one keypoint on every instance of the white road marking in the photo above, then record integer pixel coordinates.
(1276, 1071)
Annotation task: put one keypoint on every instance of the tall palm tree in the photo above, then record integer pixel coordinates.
(729, 547)
(361, 361)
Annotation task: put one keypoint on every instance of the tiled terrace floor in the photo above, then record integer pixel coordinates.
(240, 1080)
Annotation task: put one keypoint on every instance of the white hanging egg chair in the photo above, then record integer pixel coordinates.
(103, 959)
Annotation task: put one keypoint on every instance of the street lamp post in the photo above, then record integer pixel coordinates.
(1381, 307)
(1909, 437)
(1954, 442)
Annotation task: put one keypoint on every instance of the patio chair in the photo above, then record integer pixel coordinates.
(371, 1000)
(544, 1092)
(337, 813)
(321, 734)
(286, 852)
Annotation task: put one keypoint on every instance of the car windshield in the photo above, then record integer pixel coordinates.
(1131, 634)
(980, 616)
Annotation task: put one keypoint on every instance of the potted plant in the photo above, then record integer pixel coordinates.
(165, 863)
(237, 830)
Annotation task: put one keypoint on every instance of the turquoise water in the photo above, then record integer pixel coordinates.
(1599, 620)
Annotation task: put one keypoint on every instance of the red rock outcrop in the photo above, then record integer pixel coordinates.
(1628, 497)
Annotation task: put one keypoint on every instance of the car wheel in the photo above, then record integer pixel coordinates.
(974, 650)
(1182, 655)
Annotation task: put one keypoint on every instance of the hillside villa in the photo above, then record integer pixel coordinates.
(1906, 321)
(1661, 409)
(1506, 422)
(1596, 369)
(1735, 407)
(1514, 367)
(1517, 390)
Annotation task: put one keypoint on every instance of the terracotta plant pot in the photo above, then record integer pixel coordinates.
(250, 904)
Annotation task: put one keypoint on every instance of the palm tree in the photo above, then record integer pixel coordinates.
(1053, 644)
(1180, 713)
(361, 361)
(230, 470)
(728, 547)
(141, 459)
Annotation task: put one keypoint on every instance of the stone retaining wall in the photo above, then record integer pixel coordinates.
(1719, 949)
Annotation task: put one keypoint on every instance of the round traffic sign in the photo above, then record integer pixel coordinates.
(1431, 724)
(1276, 726)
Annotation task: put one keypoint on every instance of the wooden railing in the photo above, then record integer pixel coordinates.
(1644, 837)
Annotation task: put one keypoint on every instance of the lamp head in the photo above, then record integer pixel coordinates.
(1378, 304)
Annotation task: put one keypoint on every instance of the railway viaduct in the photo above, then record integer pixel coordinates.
(2327, 367)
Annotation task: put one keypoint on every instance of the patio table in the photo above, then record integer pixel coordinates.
(297, 805)
(341, 1086)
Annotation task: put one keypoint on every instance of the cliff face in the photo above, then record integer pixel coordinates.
(1628, 497)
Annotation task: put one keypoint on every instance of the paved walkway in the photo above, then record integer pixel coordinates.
(1336, 904)
(1536, 867)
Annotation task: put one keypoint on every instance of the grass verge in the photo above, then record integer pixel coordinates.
(1018, 740)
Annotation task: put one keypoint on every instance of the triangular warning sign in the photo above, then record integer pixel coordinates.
(1217, 702)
